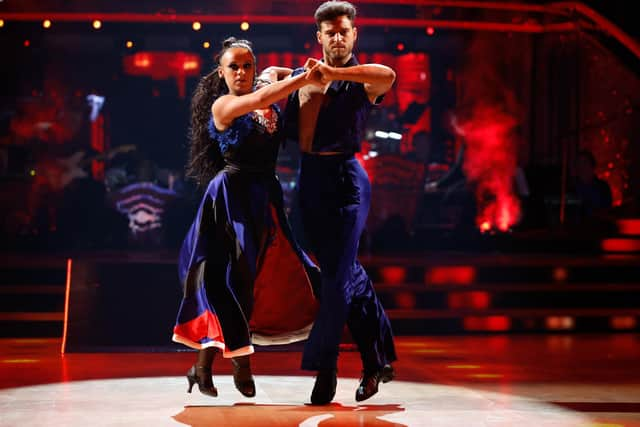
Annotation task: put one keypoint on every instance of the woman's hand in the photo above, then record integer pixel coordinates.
(274, 73)
(317, 72)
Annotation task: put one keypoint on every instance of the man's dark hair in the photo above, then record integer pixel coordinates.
(330, 10)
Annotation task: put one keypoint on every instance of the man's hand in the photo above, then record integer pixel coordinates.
(314, 73)
(318, 71)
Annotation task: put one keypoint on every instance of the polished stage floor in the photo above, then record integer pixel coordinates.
(488, 380)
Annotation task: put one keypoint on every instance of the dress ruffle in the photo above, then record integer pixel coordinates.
(239, 129)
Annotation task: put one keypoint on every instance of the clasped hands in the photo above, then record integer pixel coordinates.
(318, 73)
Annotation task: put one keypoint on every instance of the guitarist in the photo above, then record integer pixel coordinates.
(59, 172)
(65, 199)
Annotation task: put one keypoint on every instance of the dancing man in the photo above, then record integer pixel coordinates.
(328, 123)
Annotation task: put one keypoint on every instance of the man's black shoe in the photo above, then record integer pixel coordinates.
(387, 373)
(325, 387)
(370, 380)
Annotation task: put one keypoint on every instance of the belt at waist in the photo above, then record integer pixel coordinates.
(252, 169)
(342, 154)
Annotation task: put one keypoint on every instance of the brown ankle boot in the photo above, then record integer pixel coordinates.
(201, 375)
(242, 377)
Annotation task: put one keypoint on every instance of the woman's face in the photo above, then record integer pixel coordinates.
(237, 68)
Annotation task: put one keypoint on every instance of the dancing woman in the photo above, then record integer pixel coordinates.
(246, 281)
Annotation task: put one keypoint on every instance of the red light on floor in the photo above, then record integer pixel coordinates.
(623, 322)
(450, 275)
(489, 323)
(620, 245)
(19, 361)
(478, 300)
(393, 275)
(629, 227)
(560, 322)
(406, 300)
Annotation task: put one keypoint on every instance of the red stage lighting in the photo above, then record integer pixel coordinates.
(164, 65)
(490, 323)
(620, 245)
(393, 275)
(478, 300)
(623, 322)
(560, 322)
(629, 227)
(560, 274)
(450, 275)
(405, 300)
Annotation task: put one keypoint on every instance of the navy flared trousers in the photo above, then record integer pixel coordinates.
(335, 194)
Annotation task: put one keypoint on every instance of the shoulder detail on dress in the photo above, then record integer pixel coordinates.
(239, 129)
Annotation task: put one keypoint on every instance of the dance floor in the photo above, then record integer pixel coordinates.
(473, 380)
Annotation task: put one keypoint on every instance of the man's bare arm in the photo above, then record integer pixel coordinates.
(377, 78)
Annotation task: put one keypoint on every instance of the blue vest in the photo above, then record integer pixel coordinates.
(341, 120)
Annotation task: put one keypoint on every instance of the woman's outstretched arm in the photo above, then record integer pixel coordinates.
(228, 107)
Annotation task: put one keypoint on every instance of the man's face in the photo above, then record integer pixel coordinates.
(337, 38)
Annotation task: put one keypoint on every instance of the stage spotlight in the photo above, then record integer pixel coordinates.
(244, 26)
(129, 44)
(46, 23)
(381, 134)
(206, 45)
(430, 31)
(1, 23)
(400, 47)
(27, 43)
(196, 26)
(97, 24)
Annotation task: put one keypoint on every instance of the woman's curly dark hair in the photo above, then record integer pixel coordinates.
(205, 158)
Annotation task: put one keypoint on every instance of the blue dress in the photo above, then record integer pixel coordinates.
(245, 279)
